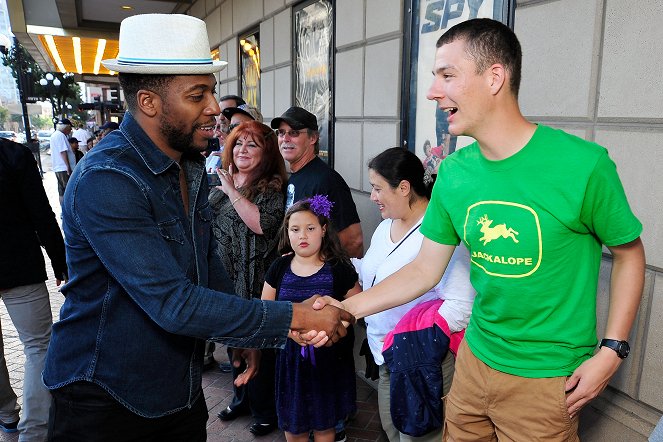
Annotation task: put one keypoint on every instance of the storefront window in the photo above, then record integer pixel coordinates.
(425, 128)
(313, 58)
(249, 55)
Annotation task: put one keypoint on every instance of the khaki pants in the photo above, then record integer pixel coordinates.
(487, 405)
(384, 398)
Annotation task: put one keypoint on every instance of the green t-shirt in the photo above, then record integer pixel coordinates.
(534, 224)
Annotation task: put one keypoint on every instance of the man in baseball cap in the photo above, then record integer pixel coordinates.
(299, 139)
(147, 287)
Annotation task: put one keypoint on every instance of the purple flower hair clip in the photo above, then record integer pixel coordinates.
(320, 205)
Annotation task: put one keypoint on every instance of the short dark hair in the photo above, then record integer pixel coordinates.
(487, 42)
(132, 83)
(238, 100)
(397, 164)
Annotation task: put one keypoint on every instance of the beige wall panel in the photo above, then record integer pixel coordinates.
(267, 96)
(632, 60)
(377, 138)
(267, 43)
(282, 94)
(223, 53)
(222, 90)
(231, 53)
(349, 84)
(651, 384)
(347, 153)
(385, 16)
(198, 9)
(245, 14)
(382, 86)
(273, 6)
(626, 378)
(349, 21)
(213, 23)
(226, 20)
(639, 156)
(370, 218)
(282, 37)
(557, 39)
(210, 5)
(233, 87)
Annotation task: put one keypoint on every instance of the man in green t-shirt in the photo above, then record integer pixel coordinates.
(534, 206)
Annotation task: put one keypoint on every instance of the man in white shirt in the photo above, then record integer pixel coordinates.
(82, 135)
(62, 156)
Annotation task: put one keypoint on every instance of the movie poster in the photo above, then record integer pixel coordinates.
(249, 55)
(313, 65)
(427, 126)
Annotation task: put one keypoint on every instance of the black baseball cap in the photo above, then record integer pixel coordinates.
(110, 125)
(297, 118)
(73, 140)
(65, 121)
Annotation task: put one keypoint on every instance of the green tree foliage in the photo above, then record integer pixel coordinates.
(41, 122)
(4, 115)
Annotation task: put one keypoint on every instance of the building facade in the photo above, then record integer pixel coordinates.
(590, 67)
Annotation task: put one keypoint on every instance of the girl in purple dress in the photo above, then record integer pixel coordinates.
(315, 387)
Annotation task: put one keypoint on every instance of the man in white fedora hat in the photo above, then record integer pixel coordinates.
(146, 285)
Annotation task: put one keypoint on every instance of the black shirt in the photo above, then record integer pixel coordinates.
(317, 178)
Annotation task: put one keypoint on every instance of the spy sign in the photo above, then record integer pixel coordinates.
(439, 15)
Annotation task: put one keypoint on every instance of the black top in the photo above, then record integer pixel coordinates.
(27, 221)
(317, 178)
(344, 276)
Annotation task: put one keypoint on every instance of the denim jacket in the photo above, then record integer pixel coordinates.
(137, 303)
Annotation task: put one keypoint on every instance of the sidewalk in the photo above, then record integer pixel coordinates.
(595, 425)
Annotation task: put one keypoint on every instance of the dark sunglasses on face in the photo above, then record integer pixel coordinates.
(231, 127)
(292, 133)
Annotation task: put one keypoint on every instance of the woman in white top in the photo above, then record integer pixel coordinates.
(397, 179)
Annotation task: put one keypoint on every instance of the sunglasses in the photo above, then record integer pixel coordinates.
(230, 127)
(292, 133)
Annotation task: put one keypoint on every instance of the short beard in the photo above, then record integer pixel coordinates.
(177, 139)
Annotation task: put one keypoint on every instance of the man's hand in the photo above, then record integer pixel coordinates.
(251, 358)
(312, 337)
(321, 301)
(590, 379)
(312, 322)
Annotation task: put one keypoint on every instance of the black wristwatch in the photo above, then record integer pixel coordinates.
(620, 347)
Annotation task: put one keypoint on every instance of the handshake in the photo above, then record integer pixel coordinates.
(318, 321)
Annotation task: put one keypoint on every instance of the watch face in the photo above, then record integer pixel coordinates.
(623, 350)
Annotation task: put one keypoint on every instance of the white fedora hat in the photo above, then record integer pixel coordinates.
(164, 44)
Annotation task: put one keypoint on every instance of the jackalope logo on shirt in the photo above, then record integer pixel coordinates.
(504, 238)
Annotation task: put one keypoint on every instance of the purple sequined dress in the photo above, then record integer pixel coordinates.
(315, 387)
